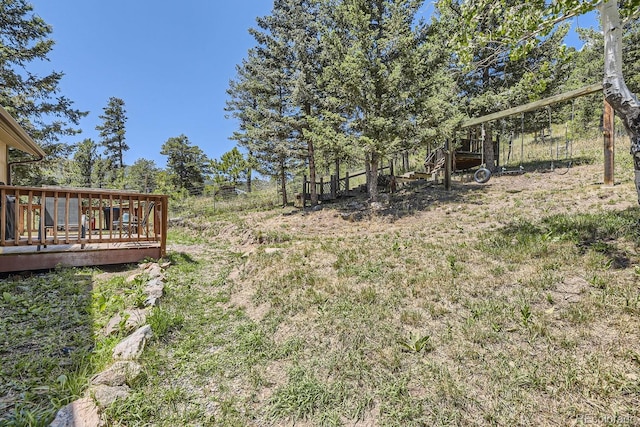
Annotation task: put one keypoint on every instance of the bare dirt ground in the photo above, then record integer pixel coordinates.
(529, 196)
(347, 282)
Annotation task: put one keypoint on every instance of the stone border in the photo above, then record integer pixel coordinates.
(113, 383)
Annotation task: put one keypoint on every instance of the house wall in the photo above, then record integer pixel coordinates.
(4, 172)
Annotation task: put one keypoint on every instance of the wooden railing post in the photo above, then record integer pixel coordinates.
(346, 182)
(334, 192)
(321, 186)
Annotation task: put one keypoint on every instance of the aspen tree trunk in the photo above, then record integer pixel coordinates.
(616, 92)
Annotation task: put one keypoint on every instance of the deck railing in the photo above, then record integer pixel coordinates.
(49, 216)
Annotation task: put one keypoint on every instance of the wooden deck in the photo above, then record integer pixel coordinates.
(42, 227)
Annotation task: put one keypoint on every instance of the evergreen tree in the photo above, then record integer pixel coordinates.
(232, 166)
(372, 43)
(101, 169)
(85, 159)
(187, 164)
(260, 99)
(112, 131)
(142, 176)
(33, 99)
(291, 33)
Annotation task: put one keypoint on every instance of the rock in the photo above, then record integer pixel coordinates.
(154, 290)
(384, 198)
(247, 254)
(80, 413)
(165, 265)
(120, 373)
(131, 347)
(154, 271)
(131, 278)
(377, 206)
(270, 251)
(105, 395)
(154, 287)
(128, 320)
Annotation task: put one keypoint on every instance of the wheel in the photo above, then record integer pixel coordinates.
(482, 175)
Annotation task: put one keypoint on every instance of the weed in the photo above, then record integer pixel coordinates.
(525, 314)
(417, 344)
(162, 321)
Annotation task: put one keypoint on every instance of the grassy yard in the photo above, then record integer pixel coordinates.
(512, 303)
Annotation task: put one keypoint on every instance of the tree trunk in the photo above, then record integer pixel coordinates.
(249, 170)
(367, 169)
(616, 92)
(487, 147)
(312, 162)
(373, 177)
(283, 184)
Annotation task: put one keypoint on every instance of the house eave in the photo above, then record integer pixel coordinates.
(16, 137)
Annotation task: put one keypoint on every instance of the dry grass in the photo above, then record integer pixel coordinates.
(512, 303)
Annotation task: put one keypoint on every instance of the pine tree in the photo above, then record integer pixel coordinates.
(372, 43)
(85, 159)
(187, 164)
(112, 131)
(142, 176)
(232, 166)
(33, 99)
(261, 101)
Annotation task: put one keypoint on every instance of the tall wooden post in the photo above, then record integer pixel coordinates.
(334, 191)
(346, 182)
(609, 143)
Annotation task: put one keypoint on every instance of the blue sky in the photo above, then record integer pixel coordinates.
(169, 61)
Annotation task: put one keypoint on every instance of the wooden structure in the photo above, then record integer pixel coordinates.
(466, 155)
(13, 136)
(335, 187)
(536, 105)
(567, 96)
(42, 227)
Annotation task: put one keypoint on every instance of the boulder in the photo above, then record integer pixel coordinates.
(128, 320)
(120, 373)
(80, 413)
(105, 395)
(131, 347)
(154, 290)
